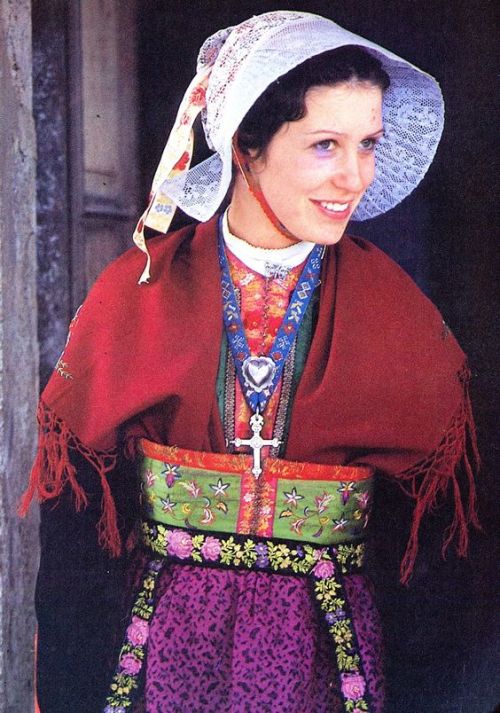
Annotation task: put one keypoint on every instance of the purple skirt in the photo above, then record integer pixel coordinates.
(225, 641)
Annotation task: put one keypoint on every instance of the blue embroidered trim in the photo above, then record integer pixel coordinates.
(302, 294)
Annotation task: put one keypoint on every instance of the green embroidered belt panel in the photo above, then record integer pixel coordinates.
(217, 492)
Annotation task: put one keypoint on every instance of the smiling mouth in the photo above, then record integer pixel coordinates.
(334, 207)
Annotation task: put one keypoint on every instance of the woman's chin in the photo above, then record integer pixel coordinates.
(322, 235)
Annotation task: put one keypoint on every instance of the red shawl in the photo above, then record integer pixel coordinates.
(385, 383)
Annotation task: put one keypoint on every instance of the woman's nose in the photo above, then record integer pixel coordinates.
(348, 173)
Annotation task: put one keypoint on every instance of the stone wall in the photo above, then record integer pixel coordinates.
(18, 354)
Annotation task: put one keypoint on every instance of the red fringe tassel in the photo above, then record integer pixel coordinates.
(53, 470)
(429, 480)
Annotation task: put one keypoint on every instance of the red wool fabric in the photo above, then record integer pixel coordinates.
(384, 384)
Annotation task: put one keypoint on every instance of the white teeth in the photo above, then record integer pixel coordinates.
(336, 207)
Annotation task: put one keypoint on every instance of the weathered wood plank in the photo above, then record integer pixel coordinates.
(19, 356)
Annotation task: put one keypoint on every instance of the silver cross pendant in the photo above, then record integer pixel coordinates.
(256, 442)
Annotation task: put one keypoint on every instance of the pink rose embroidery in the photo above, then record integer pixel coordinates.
(130, 664)
(211, 549)
(137, 631)
(353, 686)
(180, 544)
(198, 96)
(323, 569)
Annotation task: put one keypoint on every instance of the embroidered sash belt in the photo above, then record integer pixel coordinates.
(215, 491)
(179, 486)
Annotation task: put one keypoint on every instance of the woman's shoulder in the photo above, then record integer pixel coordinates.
(362, 258)
(367, 256)
(181, 262)
(382, 290)
(175, 249)
(161, 247)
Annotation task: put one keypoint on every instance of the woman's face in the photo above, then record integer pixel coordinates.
(315, 171)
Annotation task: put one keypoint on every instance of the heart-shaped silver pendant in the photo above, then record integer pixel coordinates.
(258, 372)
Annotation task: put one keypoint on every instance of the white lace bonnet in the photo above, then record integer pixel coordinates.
(236, 65)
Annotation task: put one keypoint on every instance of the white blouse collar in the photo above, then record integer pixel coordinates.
(266, 261)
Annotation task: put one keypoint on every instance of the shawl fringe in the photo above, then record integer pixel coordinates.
(52, 471)
(429, 480)
(426, 483)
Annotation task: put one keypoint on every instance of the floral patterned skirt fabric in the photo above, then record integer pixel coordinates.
(224, 641)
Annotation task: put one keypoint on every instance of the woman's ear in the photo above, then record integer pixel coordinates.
(256, 160)
(244, 158)
(241, 160)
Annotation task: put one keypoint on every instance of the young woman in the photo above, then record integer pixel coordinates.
(251, 391)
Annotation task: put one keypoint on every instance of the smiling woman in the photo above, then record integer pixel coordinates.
(328, 158)
(257, 388)
(318, 125)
